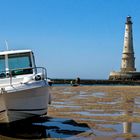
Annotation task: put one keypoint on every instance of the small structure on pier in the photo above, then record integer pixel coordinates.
(128, 70)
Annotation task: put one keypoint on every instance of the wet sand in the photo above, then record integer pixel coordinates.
(111, 112)
(85, 113)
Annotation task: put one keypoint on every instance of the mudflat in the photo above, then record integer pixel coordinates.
(111, 112)
(84, 113)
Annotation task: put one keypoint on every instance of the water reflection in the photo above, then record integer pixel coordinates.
(43, 127)
(127, 126)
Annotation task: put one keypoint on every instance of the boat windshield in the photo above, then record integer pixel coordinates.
(20, 63)
(16, 61)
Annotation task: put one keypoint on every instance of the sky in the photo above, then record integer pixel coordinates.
(71, 38)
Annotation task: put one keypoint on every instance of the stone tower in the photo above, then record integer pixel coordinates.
(128, 59)
(128, 70)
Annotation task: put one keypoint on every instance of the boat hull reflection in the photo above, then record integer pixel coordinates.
(42, 127)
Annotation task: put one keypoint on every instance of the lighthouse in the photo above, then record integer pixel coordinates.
(128, 59)
(128, 70)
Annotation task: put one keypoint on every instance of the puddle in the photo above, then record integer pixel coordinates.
(67, 106)
(58, 103)
(43, 127)
(67, 92)
(99, 94)
(86, 113)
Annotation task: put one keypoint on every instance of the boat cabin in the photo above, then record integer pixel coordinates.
(17, 62)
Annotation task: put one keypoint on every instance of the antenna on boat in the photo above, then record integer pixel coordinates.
(6, 44)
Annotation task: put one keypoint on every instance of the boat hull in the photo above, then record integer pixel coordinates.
(23, 104)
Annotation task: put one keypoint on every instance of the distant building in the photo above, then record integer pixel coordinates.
(128, 70)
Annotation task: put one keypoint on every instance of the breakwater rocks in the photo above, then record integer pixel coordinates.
(97, 82)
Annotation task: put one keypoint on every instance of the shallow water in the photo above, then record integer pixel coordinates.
(88, 112)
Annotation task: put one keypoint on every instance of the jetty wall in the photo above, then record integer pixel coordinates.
(97, 82)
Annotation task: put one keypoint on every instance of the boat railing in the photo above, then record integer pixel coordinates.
(39, 72)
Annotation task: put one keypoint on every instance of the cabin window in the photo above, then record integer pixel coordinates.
(20, 63)
(2, 66)
(2, 63)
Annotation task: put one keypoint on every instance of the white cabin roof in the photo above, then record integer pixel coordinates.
(14, 52)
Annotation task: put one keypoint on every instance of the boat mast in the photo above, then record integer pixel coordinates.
(6, 44)
(6, 57)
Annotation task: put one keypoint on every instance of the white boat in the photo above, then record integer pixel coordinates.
(24, 90)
